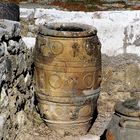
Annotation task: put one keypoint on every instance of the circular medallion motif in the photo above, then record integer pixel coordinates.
(88, 80)
(59, 111)
(89, 47)
(85, 111)
(55, 81)
(56, 48)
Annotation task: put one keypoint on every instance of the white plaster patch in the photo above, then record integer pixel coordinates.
(29, 41)
(85, 137)
(26, 12)
(89, 137)
(111, 27)
(26, 78)
(91, 91)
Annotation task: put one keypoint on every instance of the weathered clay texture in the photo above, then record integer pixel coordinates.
(68, 76)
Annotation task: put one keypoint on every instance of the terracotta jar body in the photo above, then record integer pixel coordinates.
(68, 76)
(125, 123)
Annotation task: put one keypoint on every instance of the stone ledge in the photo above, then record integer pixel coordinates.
(9, 29)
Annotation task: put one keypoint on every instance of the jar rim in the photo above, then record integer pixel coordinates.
(72, 30)
(129, 108)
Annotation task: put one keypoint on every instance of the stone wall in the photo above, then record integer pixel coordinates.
(16, 89)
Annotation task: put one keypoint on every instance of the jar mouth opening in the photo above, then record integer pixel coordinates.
(67, 30)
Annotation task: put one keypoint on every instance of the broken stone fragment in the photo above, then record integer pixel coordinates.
(2, 70)
(13, 47)
(9, 67)
(21, 118)
(2, 49)
(22, 66)
(2, 122)
(9, 29)
(4, 100)
(21, 85)
(30, 34)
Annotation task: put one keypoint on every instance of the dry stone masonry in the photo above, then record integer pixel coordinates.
(16, 90)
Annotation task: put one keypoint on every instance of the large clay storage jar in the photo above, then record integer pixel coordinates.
(125, 123)
(68, 75)
(9, 10)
